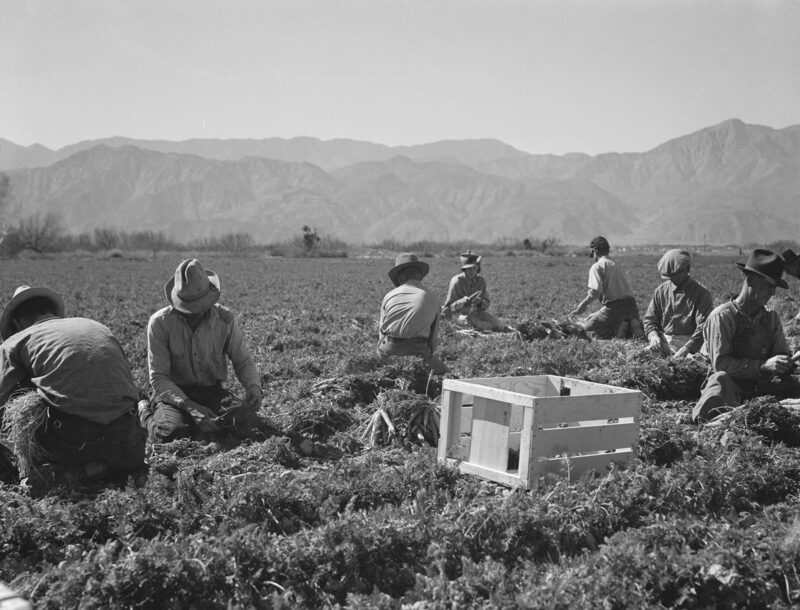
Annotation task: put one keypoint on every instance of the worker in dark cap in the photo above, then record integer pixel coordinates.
(619, 315)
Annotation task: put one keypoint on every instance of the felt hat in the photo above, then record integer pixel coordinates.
(674, 261)
(469, 260)
(767, 264)
(403, 261)
(599, 243)
(792, 263)
(25, 293)
(193, 289)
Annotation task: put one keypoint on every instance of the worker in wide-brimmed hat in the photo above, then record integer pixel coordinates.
(674, 319)
(67, 396)
(618, 315)
(409, 318)
(189, 344)
(468, 299)
(745, 343)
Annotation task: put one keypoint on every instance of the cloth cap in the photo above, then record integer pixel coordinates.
(599, 243)
(468, 259)
(21, 295)
(674, 261)
(403, 261)
(193, 289)
(767, 264)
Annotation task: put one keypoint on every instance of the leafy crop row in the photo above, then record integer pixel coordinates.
(293, 509)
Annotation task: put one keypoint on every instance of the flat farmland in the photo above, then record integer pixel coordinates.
(299, 510)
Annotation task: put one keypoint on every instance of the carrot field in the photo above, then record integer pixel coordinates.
(299, 510)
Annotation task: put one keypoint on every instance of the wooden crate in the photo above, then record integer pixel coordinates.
(555, 424)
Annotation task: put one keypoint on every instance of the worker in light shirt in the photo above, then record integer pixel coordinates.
(189, 344)
(619, 315)
(468, 299)
(409, 317)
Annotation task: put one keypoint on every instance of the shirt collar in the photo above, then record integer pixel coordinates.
(741, 312)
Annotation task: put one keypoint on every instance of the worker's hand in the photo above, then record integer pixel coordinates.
(203, 416)
(578, 310)
(253, 396)
(778, 365)
(659, 345)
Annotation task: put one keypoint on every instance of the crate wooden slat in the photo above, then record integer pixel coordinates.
(484, 419)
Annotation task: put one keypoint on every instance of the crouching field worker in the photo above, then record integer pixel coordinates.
(746, 345)
(67, 396)
(674, 319)
(619, 314)
(189, 343)
(468, 299)
(409, 320)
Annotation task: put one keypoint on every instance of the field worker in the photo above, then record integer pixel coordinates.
(674, 319)
(409, 320)
(468, 299)
(67, 397)
(189, 343)
(745, 343)
(619, 313)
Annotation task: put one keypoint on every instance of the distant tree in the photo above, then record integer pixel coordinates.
(149, 240)
(106, 239)
(526, 243)
(310, 238)
(6, 212)
(37, 233)
(237, 243)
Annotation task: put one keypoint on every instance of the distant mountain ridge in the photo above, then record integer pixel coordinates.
(729, 183)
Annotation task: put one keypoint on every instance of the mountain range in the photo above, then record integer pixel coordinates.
(731, 183)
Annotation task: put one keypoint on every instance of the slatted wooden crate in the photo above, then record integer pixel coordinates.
(555, 424)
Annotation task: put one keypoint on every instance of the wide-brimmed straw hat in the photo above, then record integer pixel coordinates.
(403, 261)
(193, 289)
(22, 294)
(469, 260)
(767, 264)
(674, 261)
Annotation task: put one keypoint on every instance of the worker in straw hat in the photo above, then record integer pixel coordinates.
(745, 343)
(678, 309)
(189, 344)
(67, 396)
(619, 314)
(409, 318)
(468, 299)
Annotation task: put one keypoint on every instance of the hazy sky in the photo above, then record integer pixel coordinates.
(544, 76)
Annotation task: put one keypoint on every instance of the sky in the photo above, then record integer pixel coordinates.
(545, 76)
